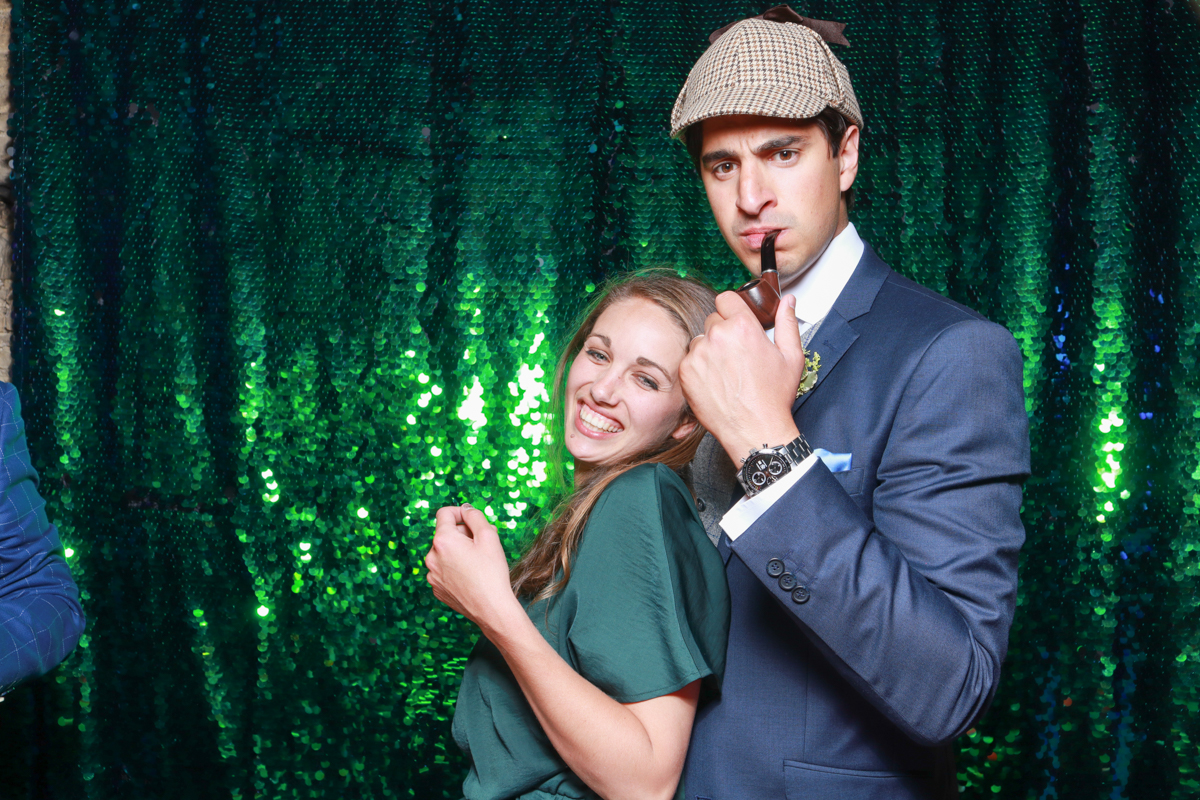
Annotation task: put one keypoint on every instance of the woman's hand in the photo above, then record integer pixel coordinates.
(468, 569)
(620, 751)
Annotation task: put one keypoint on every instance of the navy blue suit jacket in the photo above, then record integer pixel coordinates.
(854, 687)
(40, 617)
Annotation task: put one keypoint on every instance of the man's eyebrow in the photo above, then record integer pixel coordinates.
(708, 159)
(780, 143)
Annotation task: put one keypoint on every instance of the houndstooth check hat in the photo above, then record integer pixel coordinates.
(775, 65)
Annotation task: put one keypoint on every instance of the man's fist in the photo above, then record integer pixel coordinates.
(738, 383)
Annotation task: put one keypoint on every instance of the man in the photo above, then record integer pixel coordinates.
(40, 617)
(873, 582)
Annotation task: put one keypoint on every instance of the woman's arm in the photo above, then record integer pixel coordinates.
(633, 750)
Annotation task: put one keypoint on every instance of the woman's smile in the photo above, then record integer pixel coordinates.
(593, 423)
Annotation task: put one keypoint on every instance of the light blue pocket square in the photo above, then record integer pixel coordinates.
(837, 462)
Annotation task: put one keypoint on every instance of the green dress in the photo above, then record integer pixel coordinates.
(645, 613)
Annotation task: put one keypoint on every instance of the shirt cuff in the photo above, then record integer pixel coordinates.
(745, 512)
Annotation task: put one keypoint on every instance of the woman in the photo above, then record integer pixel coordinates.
(596, 645)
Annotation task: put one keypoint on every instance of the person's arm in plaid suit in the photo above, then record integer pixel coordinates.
(40, 617)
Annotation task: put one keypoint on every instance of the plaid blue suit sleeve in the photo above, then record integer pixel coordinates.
(40, 617)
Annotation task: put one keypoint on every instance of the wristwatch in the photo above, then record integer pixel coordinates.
(763, 467)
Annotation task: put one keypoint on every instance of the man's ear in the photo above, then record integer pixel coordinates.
(685, 428)
(848, 158)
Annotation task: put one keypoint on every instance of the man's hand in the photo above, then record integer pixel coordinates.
(468, 569)
(739, 385)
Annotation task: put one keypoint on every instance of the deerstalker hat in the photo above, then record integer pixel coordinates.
(775, 65)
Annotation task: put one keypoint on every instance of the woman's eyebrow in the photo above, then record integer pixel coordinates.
(645, 362)
(607, 341)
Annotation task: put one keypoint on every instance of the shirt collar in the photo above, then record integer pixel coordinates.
(818, 288)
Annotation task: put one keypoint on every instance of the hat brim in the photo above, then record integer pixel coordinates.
(781, 102)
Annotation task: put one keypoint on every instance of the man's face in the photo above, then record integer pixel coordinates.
(763, 174)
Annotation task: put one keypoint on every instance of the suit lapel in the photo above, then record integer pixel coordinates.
(831, 343)
(837, 332)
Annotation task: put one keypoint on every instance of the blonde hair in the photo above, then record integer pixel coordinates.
(688, 302)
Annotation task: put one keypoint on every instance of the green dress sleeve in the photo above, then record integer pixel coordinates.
(647, 607)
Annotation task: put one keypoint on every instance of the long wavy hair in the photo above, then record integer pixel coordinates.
(688, 302)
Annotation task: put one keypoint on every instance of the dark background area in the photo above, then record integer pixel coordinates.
(290, 276)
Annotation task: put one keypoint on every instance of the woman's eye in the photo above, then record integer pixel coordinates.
(596, 355)
(648, 382)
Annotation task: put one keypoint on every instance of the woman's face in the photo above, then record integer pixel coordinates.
(623, 393)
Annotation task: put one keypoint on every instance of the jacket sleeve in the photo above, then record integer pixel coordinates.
(40, 617)
(914, 606)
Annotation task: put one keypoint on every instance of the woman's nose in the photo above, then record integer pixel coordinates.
(605, 388)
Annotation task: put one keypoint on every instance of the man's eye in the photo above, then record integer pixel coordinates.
(724, 168)
(786, 155)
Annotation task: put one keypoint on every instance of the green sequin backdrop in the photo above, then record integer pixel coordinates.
(290, 276)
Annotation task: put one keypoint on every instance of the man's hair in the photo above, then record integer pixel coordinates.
(830, 121)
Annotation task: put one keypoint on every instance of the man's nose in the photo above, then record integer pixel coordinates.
(754, 190)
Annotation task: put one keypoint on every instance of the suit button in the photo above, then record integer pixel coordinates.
(787, 581)
(800, 594)
(699, 504)
(774, 567)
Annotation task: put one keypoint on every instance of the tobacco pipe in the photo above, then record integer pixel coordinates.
(762, 293)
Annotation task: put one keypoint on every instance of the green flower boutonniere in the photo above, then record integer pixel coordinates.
(812, 363)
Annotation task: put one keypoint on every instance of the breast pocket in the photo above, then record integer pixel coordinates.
(851, 480)
(810, 782)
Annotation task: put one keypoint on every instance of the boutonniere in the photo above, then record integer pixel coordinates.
(812, 363)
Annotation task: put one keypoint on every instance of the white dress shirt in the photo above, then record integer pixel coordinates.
(815, 291)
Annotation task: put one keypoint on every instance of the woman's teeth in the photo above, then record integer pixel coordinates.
(596, 422)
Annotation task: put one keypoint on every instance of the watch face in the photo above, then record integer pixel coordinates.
(763, 469)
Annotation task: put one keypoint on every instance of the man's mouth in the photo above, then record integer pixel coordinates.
(596, 422)
(754, 238)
